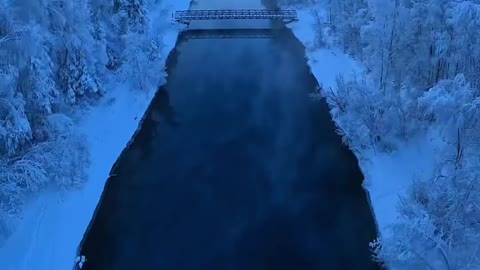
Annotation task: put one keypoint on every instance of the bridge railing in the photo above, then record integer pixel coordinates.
(185, 16)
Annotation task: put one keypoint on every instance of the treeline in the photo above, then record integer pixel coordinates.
(422, 60)
(57, 57)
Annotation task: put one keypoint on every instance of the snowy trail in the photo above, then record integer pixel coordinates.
(35, 239)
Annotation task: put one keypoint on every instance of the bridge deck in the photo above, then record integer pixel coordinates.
(185, 16)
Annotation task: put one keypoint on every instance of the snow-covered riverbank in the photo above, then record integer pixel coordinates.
(53, 225)
(411, 119)
(387, 175)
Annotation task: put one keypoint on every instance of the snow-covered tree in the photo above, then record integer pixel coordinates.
(439, 226)
(129, 18)
(14, 126)
(55, 57)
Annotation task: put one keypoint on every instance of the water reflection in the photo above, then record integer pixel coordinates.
(226, 33)
(159, 120)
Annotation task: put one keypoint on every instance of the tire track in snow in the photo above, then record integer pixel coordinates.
(35, 238)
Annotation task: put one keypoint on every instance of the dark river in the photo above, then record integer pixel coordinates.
(235, 167)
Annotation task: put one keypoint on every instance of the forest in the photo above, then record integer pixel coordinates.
(422, 78)
(422, 62)
(57, 58)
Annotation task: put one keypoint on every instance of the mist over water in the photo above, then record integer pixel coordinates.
(234, 167)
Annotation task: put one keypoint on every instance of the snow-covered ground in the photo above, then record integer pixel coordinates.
(53, 224)
(387, 175)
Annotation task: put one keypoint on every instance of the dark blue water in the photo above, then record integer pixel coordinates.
(235, 167)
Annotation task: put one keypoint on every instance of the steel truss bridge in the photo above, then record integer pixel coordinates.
(186, 16)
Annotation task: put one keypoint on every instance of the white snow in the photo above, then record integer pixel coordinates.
(387, 175)
(325, 63)
(53, 224)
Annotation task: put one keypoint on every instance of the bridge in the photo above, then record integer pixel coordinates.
(186, 16)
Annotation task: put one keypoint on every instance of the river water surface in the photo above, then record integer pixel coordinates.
(234, 167)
